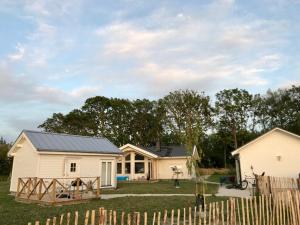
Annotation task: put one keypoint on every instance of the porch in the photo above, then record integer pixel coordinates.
(52, 191)
(136, 165)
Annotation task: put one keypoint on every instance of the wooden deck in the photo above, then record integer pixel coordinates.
(53, 191)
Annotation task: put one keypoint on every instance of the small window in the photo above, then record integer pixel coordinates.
(127, 168)
(127, 158)
(73, 167)
(139, 167)
(139, 157)
(119, 168)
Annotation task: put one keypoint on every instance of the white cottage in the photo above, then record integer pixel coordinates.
(277, 153)
(52, 155)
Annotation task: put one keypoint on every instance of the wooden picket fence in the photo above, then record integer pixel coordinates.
(260, 210)
(267, 185)
(57, 190)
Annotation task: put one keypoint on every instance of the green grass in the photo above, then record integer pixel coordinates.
(160, 187)
(3, 178)
(15, 213)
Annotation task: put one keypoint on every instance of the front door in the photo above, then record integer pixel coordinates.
(72, 168)
(106, 173)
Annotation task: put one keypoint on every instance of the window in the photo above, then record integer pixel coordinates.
(127, 158)
(139, 167)
(119, 168)
(73, 167)
(127, 168)
(139, 157)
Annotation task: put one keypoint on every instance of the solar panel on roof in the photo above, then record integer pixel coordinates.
(44, 141)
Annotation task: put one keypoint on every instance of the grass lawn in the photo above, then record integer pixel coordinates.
(160, 187)
(15, 213)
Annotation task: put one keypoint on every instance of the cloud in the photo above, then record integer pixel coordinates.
(191, 53)
(18, 89)
(19, 54)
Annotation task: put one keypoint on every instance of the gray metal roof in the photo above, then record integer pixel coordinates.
(54, 142)
(167, 151)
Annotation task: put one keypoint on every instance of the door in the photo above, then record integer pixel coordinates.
(72, 167)
(106, 173)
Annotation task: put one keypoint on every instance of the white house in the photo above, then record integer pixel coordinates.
(277, 153)
(156, 162)
(52, 155)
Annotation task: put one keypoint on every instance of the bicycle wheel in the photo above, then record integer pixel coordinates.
(244, 185)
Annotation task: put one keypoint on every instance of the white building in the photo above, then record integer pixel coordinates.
(51, 155)
(277, 153)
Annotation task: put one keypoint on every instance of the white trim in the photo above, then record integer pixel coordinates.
(140, 150)
(174, 157)
(13, 149)
(235, 152)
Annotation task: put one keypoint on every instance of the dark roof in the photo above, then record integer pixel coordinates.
(55, 142)
(167, 151)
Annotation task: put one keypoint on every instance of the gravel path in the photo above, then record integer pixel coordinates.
(233, 192)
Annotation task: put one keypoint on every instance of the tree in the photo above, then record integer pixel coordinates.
(188, 116)
(233, 108)
(5, 163)
(54, 123)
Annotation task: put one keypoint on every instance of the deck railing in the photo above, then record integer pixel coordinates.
(57, 190)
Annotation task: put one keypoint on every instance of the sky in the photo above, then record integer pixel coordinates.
(54, 54)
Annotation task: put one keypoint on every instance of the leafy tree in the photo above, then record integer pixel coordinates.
(188, 116)
(54, 123)
(5, 163)
(233, 107)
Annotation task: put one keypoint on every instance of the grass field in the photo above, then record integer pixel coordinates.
(160, 187)
(15, 213)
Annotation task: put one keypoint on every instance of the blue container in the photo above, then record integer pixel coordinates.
(122, 178)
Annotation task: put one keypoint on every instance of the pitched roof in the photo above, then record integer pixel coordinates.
(167, 151)
(235, 152)
(55, 142)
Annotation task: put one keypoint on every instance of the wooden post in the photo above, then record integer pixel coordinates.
(178, 216)
(98, 187)
(61, 219)
(77, 188)
(68, 218)
(86, 219)
(40, 188)
(115, 217)
(76, 218)
(154, 218)
(54, 221)
(145, 218)
(165, 217)
(54, 190)
(29, 186)
(18, 187)
(93, 217)
(128, 219)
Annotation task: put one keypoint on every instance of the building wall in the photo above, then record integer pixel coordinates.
(164, 170)
(264, 155)
(28, 162)
(24, 163)
(88, 166)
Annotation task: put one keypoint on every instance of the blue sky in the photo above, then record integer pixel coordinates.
(55, 54)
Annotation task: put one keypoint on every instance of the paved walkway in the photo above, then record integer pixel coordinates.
(110, 196)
